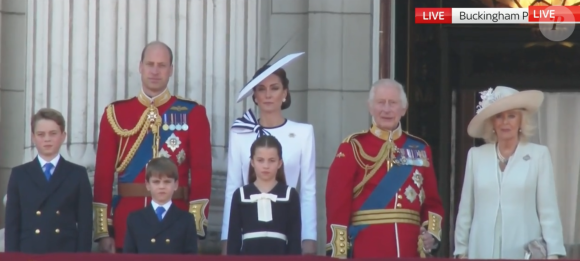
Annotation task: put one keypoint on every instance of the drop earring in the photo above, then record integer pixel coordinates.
(284, 100)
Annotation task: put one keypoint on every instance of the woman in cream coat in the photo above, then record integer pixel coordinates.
(508, 197)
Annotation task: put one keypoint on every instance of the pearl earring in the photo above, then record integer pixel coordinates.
(284, 100)
(520, 130)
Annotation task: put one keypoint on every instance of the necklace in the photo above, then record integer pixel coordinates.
(500, 157)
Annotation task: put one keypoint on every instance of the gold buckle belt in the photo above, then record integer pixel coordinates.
(385, 216)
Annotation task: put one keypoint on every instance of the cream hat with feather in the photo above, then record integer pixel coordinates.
(500, 99)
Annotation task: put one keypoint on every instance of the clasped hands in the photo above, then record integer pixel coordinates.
(429, 241)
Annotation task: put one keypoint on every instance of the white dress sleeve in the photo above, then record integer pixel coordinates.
(308, 186)
(234, 179)
(547, 206)
(465, 213)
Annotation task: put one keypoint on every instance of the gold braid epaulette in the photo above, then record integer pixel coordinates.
(352, 136)
(386, 152)
(417, 138)
(141, 127)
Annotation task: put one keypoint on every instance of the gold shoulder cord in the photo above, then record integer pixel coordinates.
(150, 116)
(386, 153)
(352, 136)
(424, 141)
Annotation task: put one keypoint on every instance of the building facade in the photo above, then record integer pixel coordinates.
(78, 56)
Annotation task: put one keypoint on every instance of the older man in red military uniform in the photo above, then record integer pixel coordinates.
(132, 132)
(393, 208)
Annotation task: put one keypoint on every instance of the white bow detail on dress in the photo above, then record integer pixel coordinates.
(264, 201)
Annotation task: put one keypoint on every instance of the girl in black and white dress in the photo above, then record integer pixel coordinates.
(265, 214)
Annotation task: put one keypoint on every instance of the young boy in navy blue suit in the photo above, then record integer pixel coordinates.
(161, 227)
(49, 200)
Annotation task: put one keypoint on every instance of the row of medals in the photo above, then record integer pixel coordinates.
(177, 126)
(408, 157)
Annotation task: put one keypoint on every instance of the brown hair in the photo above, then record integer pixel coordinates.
(161, 167)
(266, 141)
(48, 114)
(281, 73)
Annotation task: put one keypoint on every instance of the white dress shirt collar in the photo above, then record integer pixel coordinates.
(165, 206)
(54, 161)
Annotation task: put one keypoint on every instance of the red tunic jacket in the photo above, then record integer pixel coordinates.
(127, 142)
(378, 195)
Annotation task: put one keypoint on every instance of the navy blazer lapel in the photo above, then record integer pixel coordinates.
(47, 188)
(151, 216)
(58, 176)
(170, 217)
(36, 174)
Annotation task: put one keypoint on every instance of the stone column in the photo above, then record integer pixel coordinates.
(84, 54)
(12, 82)
(340, 67)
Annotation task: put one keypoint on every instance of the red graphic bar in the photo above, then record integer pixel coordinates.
(554, 14)
(433, 16)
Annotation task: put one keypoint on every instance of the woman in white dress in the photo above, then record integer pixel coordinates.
(269, 90)
(508, 197)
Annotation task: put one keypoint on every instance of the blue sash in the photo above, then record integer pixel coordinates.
(388, 187)
(144, 153)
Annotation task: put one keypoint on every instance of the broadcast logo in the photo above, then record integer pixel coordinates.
(557, 23)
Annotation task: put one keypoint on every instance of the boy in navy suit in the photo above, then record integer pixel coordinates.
(161, 227)
(49, 200)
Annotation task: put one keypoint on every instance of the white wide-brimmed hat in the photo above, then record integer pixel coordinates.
(500, 99)
(249, 88)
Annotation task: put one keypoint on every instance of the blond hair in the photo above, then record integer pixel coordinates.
(527, 127)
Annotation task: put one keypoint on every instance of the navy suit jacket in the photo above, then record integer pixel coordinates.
(174, 234)
(53, 216)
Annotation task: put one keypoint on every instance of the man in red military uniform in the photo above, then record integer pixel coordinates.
(132, 132)
(381, 194)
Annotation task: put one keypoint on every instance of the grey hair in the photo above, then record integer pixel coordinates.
(528, 128)
(389, 83)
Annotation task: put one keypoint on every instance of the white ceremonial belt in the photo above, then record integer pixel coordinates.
(264, 234)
